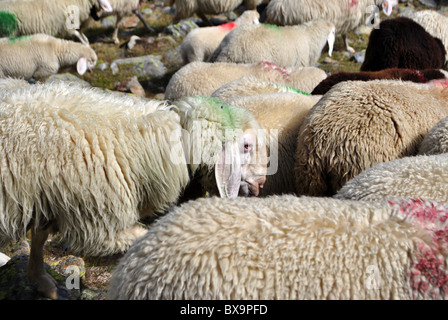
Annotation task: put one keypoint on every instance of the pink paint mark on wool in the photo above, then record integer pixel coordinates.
(423, 211)
(353, 3)
(439, 82)
(228, 26)
(269, 66)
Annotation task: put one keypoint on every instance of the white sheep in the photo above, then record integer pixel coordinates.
(187, 8)
(346, 15)
(200, 43)
(358, 124)
(435, 23)
(39, 56)
(289, 46)
(289, 248)
(281, 115)
(436, 141)
(89, 164)
(121, 8)
(23, 17)
(424, 177)
(208, 77)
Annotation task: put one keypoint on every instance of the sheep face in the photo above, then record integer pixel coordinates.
(225, 145)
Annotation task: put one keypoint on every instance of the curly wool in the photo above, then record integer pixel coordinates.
(255, 43)
(289, 248)
(358, 124)
(424, 177)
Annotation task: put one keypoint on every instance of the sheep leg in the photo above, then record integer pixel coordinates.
(138, 13)
(347, 46)
(117, 25)
(46, 285)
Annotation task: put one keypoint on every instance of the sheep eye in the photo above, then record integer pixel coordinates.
(247, 147)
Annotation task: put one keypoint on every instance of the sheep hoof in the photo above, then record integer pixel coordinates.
(116, 41)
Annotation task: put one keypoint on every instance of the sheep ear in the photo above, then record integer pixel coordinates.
(331, 38)
(388, 5)
(228, 171)
(105, 5)
(81, 65)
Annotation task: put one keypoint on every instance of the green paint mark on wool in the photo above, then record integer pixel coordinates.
(292, 89)
(272, 27)
(8, 24)
(230, 117)
(16, 39)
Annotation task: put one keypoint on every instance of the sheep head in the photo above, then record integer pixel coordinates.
(224, 145)
(388, 6)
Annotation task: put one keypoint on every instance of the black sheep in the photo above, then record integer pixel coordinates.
(403, 43)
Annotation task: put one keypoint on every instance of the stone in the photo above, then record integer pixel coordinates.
(182, 28)
(145, 66)
(429, 3)
(68, 77)
(131, 85)
(359, 56)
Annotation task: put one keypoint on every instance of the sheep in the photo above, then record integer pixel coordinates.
(208, 77)
(249, 86)
(358, 124)
(49, 17)
(436, 141)
(281, 114)
(290, 46)
(89, 164)
(200, 43)
(121, 8)
(289, 248)
(391, 73)
(187, 8)
(40, 55)
(403, 43)
(346, 15)
(435, 24)
(420, 176)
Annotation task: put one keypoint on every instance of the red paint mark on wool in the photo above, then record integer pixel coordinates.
(228, 26)
(428, 274)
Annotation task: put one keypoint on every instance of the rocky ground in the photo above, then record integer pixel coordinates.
(142, 69)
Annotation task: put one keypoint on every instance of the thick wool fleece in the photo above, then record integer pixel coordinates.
(423, 177)
(358, 124)
(290, 248)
